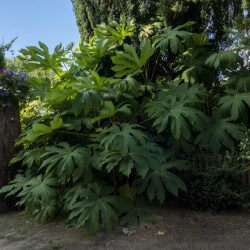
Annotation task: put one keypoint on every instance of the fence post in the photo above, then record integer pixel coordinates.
(10, 129)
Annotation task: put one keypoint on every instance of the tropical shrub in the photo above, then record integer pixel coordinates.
(120, 127)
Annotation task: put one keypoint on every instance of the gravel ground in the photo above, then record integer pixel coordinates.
(174, 228)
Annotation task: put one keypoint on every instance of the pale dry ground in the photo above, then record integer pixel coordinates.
(175, 228)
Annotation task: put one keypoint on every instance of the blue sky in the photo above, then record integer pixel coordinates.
(48, 21)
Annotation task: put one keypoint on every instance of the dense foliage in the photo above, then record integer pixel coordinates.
(215, 183)
(117, 133)
(218, 19)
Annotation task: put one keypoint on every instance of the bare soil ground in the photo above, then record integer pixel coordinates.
(174, 228)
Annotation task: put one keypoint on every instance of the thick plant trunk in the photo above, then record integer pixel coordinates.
(9, 131)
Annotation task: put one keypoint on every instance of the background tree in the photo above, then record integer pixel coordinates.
(211, 16)
(91, 13)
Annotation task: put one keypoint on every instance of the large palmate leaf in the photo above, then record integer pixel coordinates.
(127, 62)
(65, 159)
(159, 177)
(180, 147)
(29, 157)
(39, 58)
(94, 82)
(58, 95)
(239, 80)
(140, 159)
(86, 100)
(86, 58)
(219, 131)
(145, 156)
(184, 92)
(226, 60)
(127, 87)
(109, 110)
(192, 66)
(32, 156)
(115, 32)
(39, 129)
(40, 87)
(37, 192)
(16, 185)
(175, 114)
(96, 203)
(236, 104)
(71, 194)
(124, 137)
(174, 38)
(47, 210)
(90, 54)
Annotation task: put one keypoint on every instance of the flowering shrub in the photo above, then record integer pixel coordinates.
(13, 88)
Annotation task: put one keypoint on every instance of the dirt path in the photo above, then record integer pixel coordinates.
(175, 228)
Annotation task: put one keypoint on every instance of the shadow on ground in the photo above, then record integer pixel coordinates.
(174, 228)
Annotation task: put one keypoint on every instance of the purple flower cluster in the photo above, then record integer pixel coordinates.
(13, 87)
(11, 73)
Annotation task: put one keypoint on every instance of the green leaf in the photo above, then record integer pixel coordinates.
(47, 211)
(172, 38)
(93, 82)
(16, 185)
(145, 156)
(32, 156)
(86, 58)
(56, 122)
(173, 113)
(40, 188)
(86, 100)
(34, 58)
(219, 131)
(96, 203)
(108, 111)
(38, 129)
(159, 177)
(37, 192)
(239, 80)
(236, 104)
(124, 137)
(140, 157)
(226, 60)
(40, 87)
(127, 62)
(195, 92)
(65, 159)
(195, 70)
(115, 32)
(201, 39)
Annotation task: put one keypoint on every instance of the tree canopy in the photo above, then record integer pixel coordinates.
(213, 17)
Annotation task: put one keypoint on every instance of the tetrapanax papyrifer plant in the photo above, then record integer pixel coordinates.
(121, 126)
